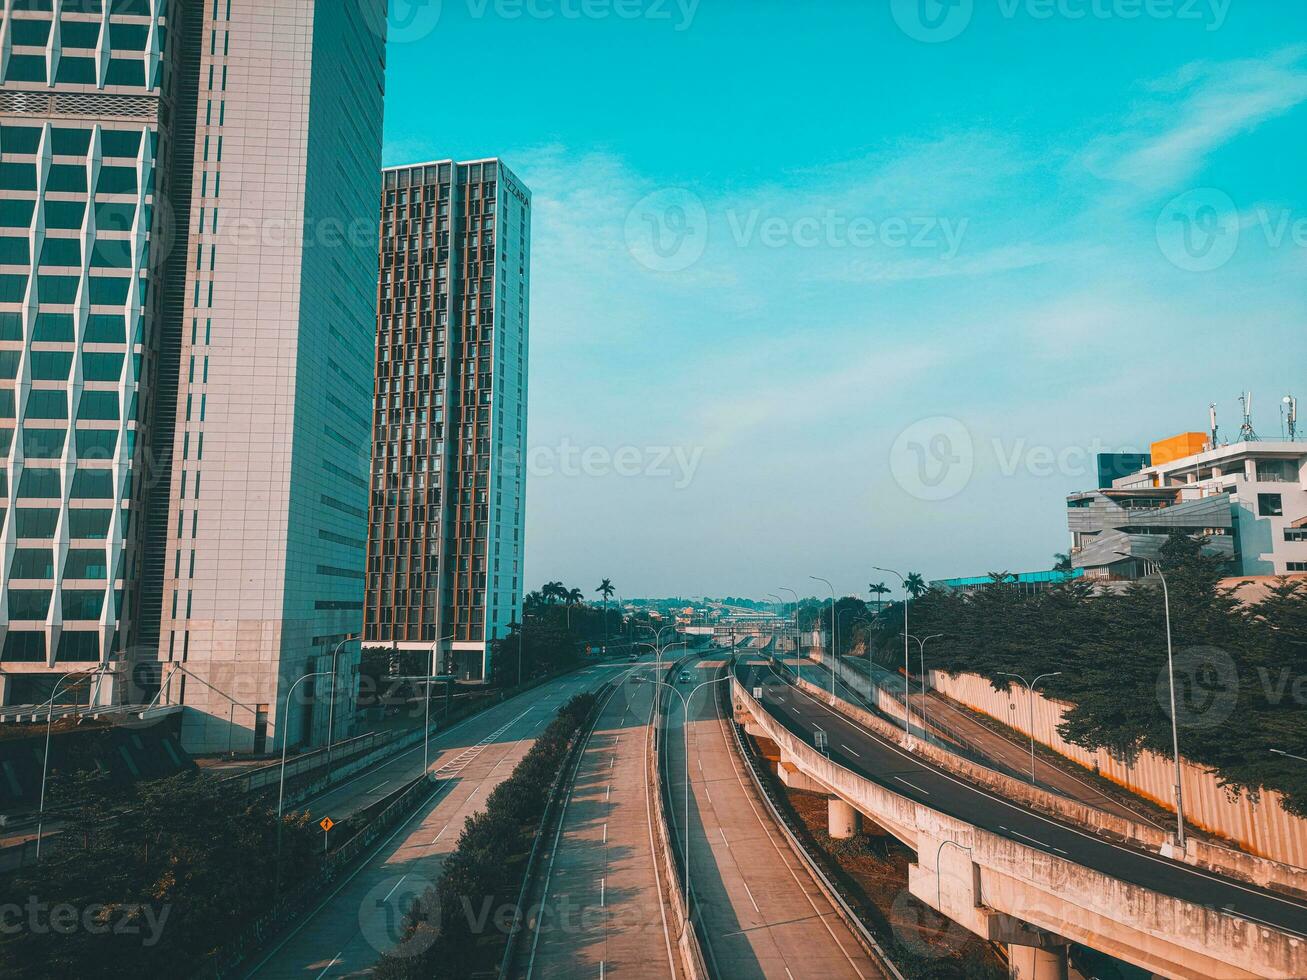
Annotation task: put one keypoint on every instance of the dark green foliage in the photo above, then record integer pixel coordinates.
(1111, 649)
(185, 869)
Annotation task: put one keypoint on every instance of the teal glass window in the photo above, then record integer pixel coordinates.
(20, 139)
(80, 647)
(120, 142)
(12, 289)
(40, 483)
(105, 328)
(61, 251)
(29, 603)
(50, 365)
(57, 289)
(30, 32)
(115, 216)
(90, 524)
(35, 522)
(126, 71)
(33, 563)
(24, 648)
(14, 251)
(6, 403)
(102, 367)
(92, 485)
(70, 142)
(17, 213)
(11, 326)
(9, 364)
(17, 176)
(64, 215)
(85, 563)
(53, 328)
(111, 254)
(43, 443)
(67, 178)
(116, 180)
(128, 37)
(80, 33)
(96, 443)
(26, 68)
(98, 405)
(109, 291)
(76, 71)
(6, 442)
(44, 403)
(82, 603)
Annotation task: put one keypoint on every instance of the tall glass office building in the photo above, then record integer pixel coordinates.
(87, 92)
(188, 276)
(449, 421)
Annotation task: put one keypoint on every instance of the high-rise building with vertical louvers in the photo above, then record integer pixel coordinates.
(449, 419)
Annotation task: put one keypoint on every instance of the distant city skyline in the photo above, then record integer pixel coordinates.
(829, 288)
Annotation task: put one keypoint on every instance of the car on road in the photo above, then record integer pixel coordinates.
(685, 677)
(634, 657)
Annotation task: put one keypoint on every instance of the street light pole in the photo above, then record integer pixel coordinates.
(45, 761)
(426, 690)
(834, 631)
(907, 669)
(921, 649)
(798, 656)
(1175, 730)
(1030, 688)
(1288, 755)
(331, 705)
(281, 782)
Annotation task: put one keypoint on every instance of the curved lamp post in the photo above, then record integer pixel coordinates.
(834, 630)
(1030, 689)
(45, 761)
(907, 670)
(331, 705)
(921, 649)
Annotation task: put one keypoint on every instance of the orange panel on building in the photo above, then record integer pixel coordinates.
(1178, 447)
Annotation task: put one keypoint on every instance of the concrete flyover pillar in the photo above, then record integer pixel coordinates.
(841, 819)
(1037, 963)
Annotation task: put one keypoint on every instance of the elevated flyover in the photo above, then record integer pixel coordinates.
(1011, 874)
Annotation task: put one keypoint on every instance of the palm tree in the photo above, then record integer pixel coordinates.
(916, 585)
(1061, 562)
(606, 590)
(879, 589)
(553, 591)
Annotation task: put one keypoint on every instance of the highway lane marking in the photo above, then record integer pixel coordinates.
(1032, 840)
(1067, 828)
(750, 894)
(602, 883)
(723, 833)
(849, 750)
(605, 833)
(913, 785)
(770, 832)
(396, 885)
(608, 792)
(379, 785)
(329, 966)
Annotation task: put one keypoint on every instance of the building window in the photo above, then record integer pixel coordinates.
(1295, 534)
(1270, 505)
(1277, 471)
(1297, 566)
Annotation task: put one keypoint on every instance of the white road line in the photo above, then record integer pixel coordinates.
(913, 785)
(605, 833)
(379, 785)
(602, 883)
(750, 894)
(723, 833)
(329, 966)
(849, 750)
(397, 884)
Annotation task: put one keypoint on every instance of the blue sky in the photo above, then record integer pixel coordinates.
(825, 286)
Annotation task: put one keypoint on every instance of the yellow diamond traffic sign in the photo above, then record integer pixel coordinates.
(326, 823)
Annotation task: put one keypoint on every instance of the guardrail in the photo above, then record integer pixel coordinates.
(688, 944)
(828, 887)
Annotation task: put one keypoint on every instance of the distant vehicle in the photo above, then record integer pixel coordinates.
(637, 679)
(634, 657)
(685, 677)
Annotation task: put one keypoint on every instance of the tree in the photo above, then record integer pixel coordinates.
(575, 597)
(606, 590)
(916, 585)
(1061, 562)
(879, 590)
